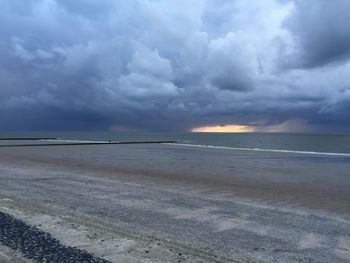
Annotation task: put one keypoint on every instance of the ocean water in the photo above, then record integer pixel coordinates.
(328, 144)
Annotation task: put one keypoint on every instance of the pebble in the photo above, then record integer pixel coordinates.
(39, 246)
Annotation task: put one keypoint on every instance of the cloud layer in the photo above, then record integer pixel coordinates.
(174, 65)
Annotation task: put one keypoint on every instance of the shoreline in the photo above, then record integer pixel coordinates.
(308, 191)
(179, 201)
(263, 150)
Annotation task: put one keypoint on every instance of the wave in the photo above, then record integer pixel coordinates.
(262, 150)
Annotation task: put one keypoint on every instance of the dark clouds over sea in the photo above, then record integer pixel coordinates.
(174, 64)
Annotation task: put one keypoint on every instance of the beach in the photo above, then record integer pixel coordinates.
(177, 203)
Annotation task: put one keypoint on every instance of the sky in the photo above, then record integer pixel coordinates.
(175, 65)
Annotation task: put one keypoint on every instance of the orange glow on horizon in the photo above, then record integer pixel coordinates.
(224, 128)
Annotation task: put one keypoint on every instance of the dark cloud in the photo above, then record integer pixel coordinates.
(173, 65)
(321, 29)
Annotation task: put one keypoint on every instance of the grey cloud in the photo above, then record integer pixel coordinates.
(169, 65)
(92, 9)
(321, 29)
(231, 66)
(149, 62)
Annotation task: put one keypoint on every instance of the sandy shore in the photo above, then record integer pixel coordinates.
(167, 203)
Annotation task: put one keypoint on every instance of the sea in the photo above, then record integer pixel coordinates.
(322, 144)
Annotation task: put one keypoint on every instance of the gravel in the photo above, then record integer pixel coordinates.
(37, 245)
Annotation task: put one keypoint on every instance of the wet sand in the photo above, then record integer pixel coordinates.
(184, 203)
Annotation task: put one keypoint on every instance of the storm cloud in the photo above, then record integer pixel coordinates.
(174, 64)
